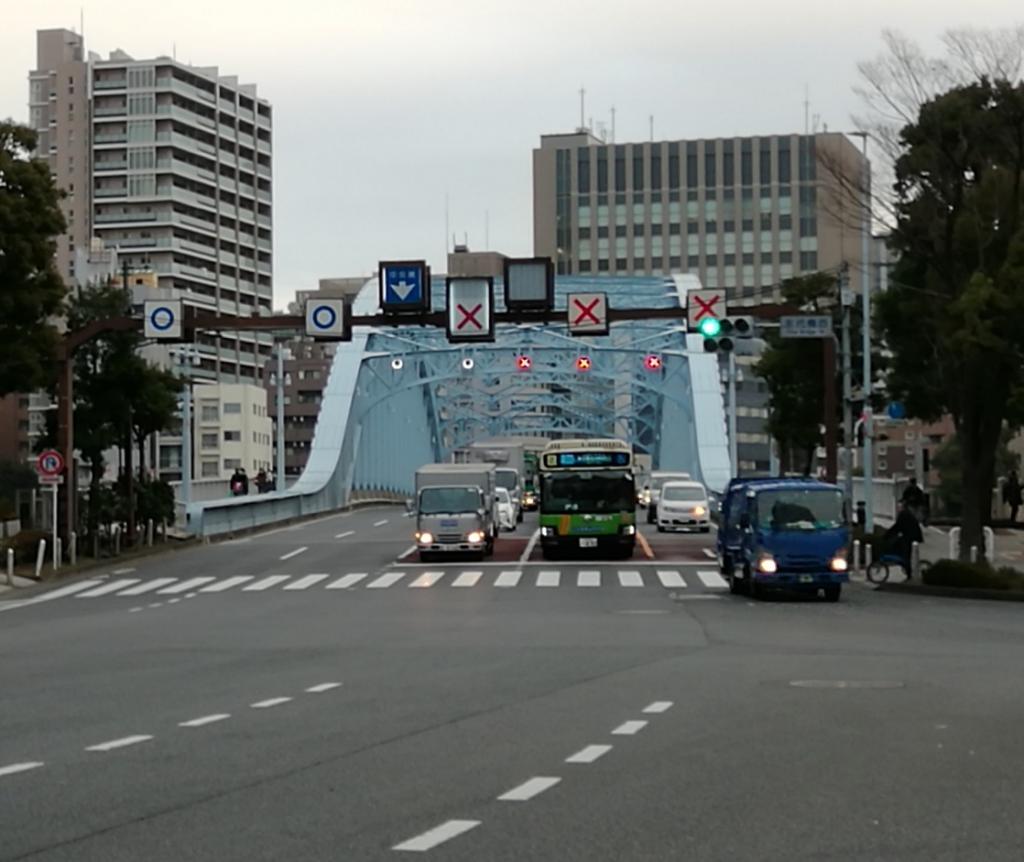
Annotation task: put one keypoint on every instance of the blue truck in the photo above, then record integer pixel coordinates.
(783, 533)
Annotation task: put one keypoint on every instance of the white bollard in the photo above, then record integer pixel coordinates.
(974, 553)
(149, 532)
(954, 543)
(867, 556)
(73, 549)
(10, 567)
(58, 551)
(39, 557)
(989, 537)
(117, 540)
(915, 560)
(856, 557)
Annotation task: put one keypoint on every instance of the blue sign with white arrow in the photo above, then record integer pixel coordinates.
(404, 286)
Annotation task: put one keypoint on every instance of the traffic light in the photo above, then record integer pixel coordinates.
(583, 363)
(653, 362)
(524, 362)
(720, 333)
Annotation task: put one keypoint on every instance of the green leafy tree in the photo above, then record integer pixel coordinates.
(948, 461)
(154, 401)
(31, 290)
(953, 317)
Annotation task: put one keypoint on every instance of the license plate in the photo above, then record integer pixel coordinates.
(449, 522)
(807, 579)
(588, 543)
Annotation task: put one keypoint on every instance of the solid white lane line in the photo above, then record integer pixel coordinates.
(119, 743)
(631, 579)
(148, 586)
(206, 719)
(343, 583)
(186, 586)
(345, 535)
(226, 584)
(529, 789)
(588, 754)
(306, 582)
(711, 555)
(266, 583)
(530, 545)
(427, 579)
(507, 579)
(467, 579)
(15, 768)
(588, 578)
(657, 707)
(294, 553)
(438, 835)
(266, 704)
(110, 587)
(381, 523)
(712, 579)
(407, 552)
(324, 686)
(385, 580)
(671, 578)
(629, 728)
(548, 578)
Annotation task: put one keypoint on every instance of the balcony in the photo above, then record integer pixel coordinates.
(130, 217)
(110, 83)
(110, 111)
(114, 165)
(140, 241)
(111, 192)
(111, 138)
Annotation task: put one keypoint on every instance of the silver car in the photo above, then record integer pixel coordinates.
(683, 506)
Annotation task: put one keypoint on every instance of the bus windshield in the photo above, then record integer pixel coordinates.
(799, 510)
(569, 493)
(449, 501)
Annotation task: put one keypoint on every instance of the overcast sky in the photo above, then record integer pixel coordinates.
(382, 107)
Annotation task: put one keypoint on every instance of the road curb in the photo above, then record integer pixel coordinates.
(953, 592)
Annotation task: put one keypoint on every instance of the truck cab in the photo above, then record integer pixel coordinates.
(456, 510)
(783, 533)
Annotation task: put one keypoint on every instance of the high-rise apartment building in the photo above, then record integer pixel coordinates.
(744, 214)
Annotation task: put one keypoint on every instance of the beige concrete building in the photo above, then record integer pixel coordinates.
(475, 264)
(744, 214)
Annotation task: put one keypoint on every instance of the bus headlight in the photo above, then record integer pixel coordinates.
(547, 531)
(767, 565)
(629, 530)
(425, 538)
(475, 537)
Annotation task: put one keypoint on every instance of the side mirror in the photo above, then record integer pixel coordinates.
(410, 504)
(745, 521)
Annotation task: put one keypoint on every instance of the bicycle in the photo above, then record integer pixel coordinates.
(879, 570)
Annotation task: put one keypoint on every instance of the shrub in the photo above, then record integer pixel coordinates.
(26, 545)
(957, 573)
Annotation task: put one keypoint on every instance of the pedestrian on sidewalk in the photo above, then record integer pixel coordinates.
(1012, 494)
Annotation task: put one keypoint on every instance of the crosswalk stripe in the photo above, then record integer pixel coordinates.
(185, 586)
(588, 578)
(548, 578)
(507, 579)
(112, 587)
(266, 583)
(306, 582)
(385, 580)
(343, 583)
(147, 586)
(712, 579)
(226, 584)
(671, 578)
(467, 579)
(631, 579)
(427, 579)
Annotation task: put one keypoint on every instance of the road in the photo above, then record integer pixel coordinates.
(309, 693)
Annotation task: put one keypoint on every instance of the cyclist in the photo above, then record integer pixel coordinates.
(914, 498)
(900, 537)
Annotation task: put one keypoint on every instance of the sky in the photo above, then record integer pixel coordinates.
(383, 109)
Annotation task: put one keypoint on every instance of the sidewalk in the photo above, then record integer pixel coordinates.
(18, 583)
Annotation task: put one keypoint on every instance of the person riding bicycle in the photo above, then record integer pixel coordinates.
(900, 537)
(914, 498)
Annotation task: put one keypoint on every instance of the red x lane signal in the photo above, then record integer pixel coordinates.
(524, 363)
(583, 363)
(469, 316)
(470, 309)
(653, 362)
(587, 313)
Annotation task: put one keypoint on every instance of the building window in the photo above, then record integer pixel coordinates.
(209, 441)
(209, 469)
(583, 170)
(232, 463)
(808, 261)
(232, 436)
(655, 167)
(728, 164)
(710, 176)
(232, 407)
(602, 170)
(210, 413)
(673, 165)
(785, 173)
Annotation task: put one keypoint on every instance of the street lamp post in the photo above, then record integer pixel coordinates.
(868, 466)
(280, 484)
(188, 357)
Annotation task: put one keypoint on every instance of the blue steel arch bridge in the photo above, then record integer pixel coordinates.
(401, 396)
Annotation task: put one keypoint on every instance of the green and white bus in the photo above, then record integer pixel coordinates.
(587, 498)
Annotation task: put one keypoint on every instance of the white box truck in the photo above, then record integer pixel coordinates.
(456, 510)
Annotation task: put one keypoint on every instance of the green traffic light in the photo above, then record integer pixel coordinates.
(710, 327)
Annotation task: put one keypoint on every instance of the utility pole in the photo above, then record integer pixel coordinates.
(280, 484)
(829, 371)
(733, 443)
(129, 468)
(846, 298)
(869, 464)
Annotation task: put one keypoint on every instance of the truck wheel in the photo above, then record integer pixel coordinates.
(832, 592)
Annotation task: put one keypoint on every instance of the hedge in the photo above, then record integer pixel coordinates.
(980, 575)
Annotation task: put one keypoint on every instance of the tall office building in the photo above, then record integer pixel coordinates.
(744, 214)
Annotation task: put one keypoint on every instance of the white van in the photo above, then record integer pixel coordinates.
(652, 490)
(683, 505)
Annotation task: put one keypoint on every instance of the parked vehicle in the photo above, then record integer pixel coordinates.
(683, 506)
(787, 533)
(506, 510)
(456, 510)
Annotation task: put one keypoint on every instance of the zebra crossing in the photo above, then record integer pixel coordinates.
(584, 579)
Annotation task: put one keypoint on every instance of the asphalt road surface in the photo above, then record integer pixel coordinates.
(313, 693)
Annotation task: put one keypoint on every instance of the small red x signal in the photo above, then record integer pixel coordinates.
(524, 363)
(583, 363)
(653, 362)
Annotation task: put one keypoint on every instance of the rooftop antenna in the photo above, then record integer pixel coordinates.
(807, 109)
(652, 127)
(613, 124)
(487, 230)
(583, 94)
(446, 228)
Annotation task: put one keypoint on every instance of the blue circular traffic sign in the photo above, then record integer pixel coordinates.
(324, 317)
(161, 318)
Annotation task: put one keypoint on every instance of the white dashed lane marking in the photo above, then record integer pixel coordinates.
(508, 579)
(529, 789)
(588, 754)
(306, 582)
(657, 707)
(266, 704)
(294, 553)
(347, 581)
(467, 579)
(385, 580)
(427, 579)
(15, 768)
(186, 586)
(438, 835)
(147, 586)
(123, 742)
(266, 583)
(206, 719)
(322, 687)
(629, 728)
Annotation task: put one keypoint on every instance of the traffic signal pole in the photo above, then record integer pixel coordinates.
(733, 442)
(829, 371)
